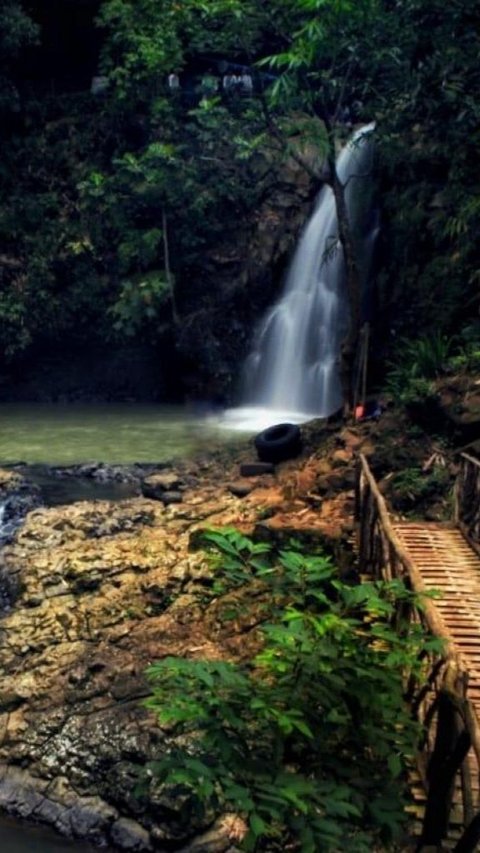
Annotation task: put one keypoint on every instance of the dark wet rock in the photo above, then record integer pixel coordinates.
(56, 803)
(241, 488)
(172, 498)
(341, 480)
(101, 472)
(10, 700)
(18, 496)
(129, 835)
(253, 469)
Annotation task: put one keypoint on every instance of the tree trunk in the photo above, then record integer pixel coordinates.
(352, 275)
(168, 271)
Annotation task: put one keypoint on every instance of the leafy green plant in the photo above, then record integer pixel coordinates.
(467, 358)
(308, 741)
(139, 301)
(234, 557)
(412, 486)
(429, 354)
(416, 364)
(407, 389)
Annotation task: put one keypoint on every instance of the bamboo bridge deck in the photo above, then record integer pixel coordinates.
(445, 558)
(448, 564)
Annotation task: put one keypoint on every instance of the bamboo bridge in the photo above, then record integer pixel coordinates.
(444, 557)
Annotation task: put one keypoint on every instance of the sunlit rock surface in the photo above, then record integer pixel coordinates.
(98, 591)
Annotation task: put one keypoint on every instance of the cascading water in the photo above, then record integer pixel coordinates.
(292, 373)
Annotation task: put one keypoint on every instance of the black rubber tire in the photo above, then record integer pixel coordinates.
(279, 442)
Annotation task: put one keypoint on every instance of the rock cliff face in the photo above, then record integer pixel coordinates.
(238, 279)
(220, 300)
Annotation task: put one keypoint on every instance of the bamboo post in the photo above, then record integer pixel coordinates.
(360, 369)
(467, 499)
(448, 754)
(365, 342)
(465, 774)
(470, 839)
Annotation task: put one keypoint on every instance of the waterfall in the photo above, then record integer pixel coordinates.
(292, 373)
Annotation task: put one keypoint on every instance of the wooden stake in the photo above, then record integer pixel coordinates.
(365, 342)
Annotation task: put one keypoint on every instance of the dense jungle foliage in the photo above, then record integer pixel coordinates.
(111, 203)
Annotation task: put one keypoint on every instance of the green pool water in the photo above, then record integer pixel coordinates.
(117, 433)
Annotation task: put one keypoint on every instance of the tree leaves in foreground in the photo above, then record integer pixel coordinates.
(309, 741)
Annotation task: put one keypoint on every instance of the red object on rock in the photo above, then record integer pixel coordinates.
(359, 412)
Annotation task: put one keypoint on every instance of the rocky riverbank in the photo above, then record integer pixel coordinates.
(98, 590)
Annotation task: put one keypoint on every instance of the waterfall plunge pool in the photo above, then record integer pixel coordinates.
(35, 434)
(253, 419)
(71, 434)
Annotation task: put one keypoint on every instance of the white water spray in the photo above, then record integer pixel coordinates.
(292, 373)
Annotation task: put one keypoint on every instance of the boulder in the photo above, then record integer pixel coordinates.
(241, 488)
(156, 485)
(129, 835)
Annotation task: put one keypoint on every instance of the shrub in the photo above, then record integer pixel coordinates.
(309, 740)
(416, 364)
(411, 486)
(467, 358)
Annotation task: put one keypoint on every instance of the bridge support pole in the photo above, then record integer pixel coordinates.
(470, 838)
(448, 754)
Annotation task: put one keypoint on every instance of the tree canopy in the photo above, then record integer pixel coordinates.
(16, 31)
(108, 204)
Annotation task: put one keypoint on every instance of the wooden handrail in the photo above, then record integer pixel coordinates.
(467, 499)
(432, 618)
(470, 459)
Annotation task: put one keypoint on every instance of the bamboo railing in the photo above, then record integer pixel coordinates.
(467, 499)
(449, 752)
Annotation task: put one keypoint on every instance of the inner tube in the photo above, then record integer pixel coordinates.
(279, 442)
